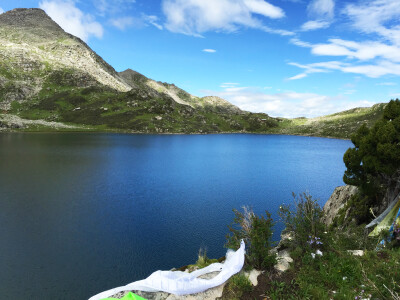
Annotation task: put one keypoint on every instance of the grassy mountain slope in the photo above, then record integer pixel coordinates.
(338, 125)
(49, 75)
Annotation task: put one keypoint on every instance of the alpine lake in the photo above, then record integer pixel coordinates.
(81, 213)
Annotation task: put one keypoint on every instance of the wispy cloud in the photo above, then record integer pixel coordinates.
(209, 50)
(387, 83)
(321, 13)
(314, 25)
(321, 9)
(1, 10)
(107, 7)
(229, 84)
(375, 70)
(122, 23)
(369, 58)
(376, 16)
(153, 20)
(194, 17)
(72, 19)
(287, 104)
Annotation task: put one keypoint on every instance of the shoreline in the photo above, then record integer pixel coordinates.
(111, 131)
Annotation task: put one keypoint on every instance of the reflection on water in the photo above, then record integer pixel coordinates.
(81, 213)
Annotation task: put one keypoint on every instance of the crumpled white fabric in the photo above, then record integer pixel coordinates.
(181, 283)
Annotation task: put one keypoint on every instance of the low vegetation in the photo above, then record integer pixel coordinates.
(326, 265)
(373, 164)
(256, 232)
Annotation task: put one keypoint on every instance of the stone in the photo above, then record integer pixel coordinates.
(253, 275)
(356, 252)
(337, 201)
(283, 261)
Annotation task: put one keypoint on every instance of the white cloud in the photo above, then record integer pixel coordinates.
(282, 32)
(153, 20)
(194, 17)
(376, 16)
(321, 9)
(387, 83)
(375, 70)
(1, 10)
(360, 50)
(145, 20)
(72, 19)
(369, 58)
(297, 42)
(122, 23)
(287, 104)
(314, 25)
(229, 85)
(299, 76)
(111, 6)
(209, 50)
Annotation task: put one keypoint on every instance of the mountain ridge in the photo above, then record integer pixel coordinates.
(50, 75)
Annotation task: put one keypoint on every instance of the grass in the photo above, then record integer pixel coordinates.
(343, 276)
(339, 125)
(237, 286)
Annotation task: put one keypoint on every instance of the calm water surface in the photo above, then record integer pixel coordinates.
(82, 213)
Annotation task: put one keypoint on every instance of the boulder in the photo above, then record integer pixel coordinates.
(337, 201)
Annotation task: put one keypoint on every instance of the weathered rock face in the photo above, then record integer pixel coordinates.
(337, 200)
(212, 103)
(32, 46)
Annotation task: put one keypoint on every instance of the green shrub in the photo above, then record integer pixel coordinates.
(374, 161)
(303, 221)
(237, 286)
(256, 231)
(203, 261)
(281, 290)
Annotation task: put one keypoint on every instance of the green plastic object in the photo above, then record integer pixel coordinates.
(129, 296)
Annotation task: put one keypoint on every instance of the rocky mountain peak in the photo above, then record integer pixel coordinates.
(33, 22)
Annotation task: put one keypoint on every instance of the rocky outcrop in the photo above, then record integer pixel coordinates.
(211, 103)
(337, 201)
(15, 122)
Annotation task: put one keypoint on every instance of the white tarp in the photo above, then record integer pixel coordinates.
(181, 283)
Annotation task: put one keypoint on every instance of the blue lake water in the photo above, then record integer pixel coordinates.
(81, 213)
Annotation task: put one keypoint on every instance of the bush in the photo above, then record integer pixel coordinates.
(203, 261)
(256, 231)
(303, 221)
(237, 286)
(374, 161)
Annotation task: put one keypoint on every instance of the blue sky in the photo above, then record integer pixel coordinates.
(287, 58)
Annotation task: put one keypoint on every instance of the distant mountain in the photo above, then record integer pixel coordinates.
(49, 75)
(339, 125)
(50, 79)
(210, 103)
